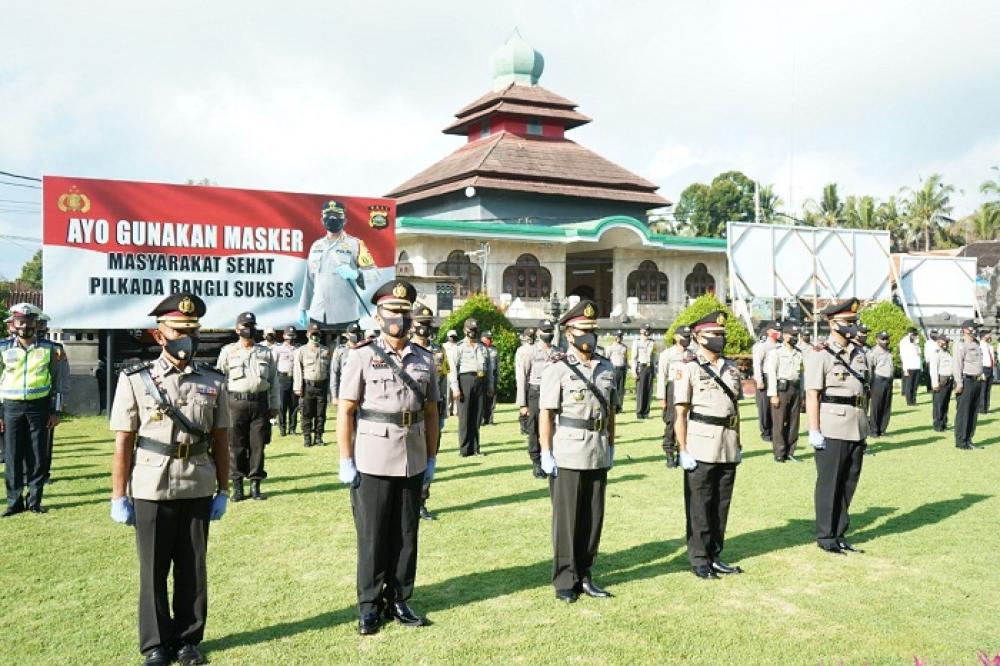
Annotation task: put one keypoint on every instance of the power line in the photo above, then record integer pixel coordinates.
(15, 175)
(18, 201)
(31, 187)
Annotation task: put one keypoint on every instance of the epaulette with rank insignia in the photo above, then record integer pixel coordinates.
(201, 366)
(363, 343)
(557, 357)
(417, 344)
(138, 367)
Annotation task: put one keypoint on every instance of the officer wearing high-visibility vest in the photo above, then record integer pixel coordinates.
(30, 384)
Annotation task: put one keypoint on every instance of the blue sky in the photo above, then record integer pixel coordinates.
(351, 97)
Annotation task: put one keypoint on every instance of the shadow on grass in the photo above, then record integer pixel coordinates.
(56, 476)
(928, 514)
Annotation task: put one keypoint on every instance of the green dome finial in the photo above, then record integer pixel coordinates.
(516, 62)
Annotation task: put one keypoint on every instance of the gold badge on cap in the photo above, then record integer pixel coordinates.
(721, 320)
(186, 306)
(378, 216)
(74, 201)
(588, 311)
(399, 291)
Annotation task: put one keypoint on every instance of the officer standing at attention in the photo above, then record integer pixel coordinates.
(471, 384)
(288, 402)
(669, 366)
(969, 380)
(170, 419)
(252, 382)
(311, 382)
(422, 319)
(880, 407)
(805, 341)
(490, 404)
(618, 355)
(989, 369)
(783, 369)
(449, 346)
(577, 450)
(391, 384)
(642, 366)
(529, 388)
(909, 356)
(708, 435)
(31, 378)
(768, 341)
(836, 380)
(521, 356)
(942, 374)
(43, 334)
(339, 358)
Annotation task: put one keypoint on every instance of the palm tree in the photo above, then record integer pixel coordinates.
(927, 208)
(992, 187)
(891, 219)
(770, 202)
(984, 224)
(828, 212)
(862, 213)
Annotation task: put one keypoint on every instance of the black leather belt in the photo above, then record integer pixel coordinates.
(398, 418)
(248, 397)
(851, 400)
(731, 422)
(474, 374)
(595, 424)
(317, 382)
(284, 374)
(972, 378)
(173, 450)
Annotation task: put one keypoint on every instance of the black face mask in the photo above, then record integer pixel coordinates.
(793, 340)
(269, 338)
(421, 330)
(585, 342)
(472, 333)
(315, 338)
(396, 327)
(26, 332)
(546, 337)
(714, 344)
(183, 349)
(806, 337)
(246, 333)
(684, 341)
(849, 332)
(352, 338)
(333, 224)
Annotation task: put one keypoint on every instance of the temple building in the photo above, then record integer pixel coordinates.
(526, 215)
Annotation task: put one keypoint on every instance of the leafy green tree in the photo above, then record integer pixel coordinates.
(738, 338)
(928, 208)
(770, 202)
(982, 225)
(31, 271)
(862, 213)
(505, 339)
(705, 209)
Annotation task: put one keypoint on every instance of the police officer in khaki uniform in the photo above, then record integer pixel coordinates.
(423, 316)
(252, 381)
(880, 406)
(311, 382)
(768, 341)
(642, 367)
(490, 403)
(618, 355)
(529, 386)
(783, 367)
(942, 376)
(288, 402)
(669, 366)
(391, 385)
(470, 380)
(969, 380)
(836, 380)
(339, 357)
(577, 450)
(521, 356)
(170, 419)
(708, 436)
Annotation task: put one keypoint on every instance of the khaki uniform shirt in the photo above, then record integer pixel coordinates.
(642, 352)
(387, 449)
(199, 393)
(312, 364)
(669, 365)
(284, 355)
(942, 366)
(249, 370)
(469, 358)
(618, 354)
(327, 297)
(968, 361)
(337, 360)
(782, 362)
(880, 361)
(565, 393)
(826, 375)
(759, 352)
(522, 366)
(695, 387)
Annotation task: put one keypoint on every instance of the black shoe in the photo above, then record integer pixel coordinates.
(238, 495)
(425, 514)
(718, 566)
(964, 447)
(14, 509)
(369, 624)
(537, 471)
(255, 490)
(282, 431)
(160, 656)
(567, 596)
(307, 441)
(705, 572)
(189, 655)
(672, 461)
(319, 441)
(37, 508)
(404, 615)
(779, 459)
(845, 545)
(588, 587)
(832, 550)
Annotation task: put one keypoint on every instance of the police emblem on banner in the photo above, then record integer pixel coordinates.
(74, 201)
(378, 216)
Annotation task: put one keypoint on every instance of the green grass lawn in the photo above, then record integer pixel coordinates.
(281, 572)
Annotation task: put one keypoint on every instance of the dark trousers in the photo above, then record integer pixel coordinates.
(942, 401)
(838, 469)
(172, 533)
(643, 389)
(531, 424)
(386, 517)
(764, 412)
(246, 439)
(620, 372)
(470, 412)
(26, 445)
(288, 405)
(785, 422)
(708, 491)
(489, 407)
(313, 406)
(669, 419)
(577, 520)
(911, 379)
(425, 489)
(49, 450)
(967, 410)
(984, 400)
(880, 407)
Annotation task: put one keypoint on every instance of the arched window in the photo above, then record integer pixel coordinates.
(458, 266)
(527, 279)
(648, 284)
(699, 282)
(403, 265)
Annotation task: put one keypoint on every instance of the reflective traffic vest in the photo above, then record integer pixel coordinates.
(25, 372)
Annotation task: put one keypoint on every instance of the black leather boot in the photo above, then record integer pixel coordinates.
(238, 495)
(255, 490)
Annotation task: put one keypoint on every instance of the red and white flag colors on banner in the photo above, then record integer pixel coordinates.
(113, 249)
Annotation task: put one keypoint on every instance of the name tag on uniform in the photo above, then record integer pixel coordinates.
(156, 416)
(207, 390)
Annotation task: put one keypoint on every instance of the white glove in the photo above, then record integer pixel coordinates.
(549, 464)
(348, 472)
(688, 462)
(816, 440)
